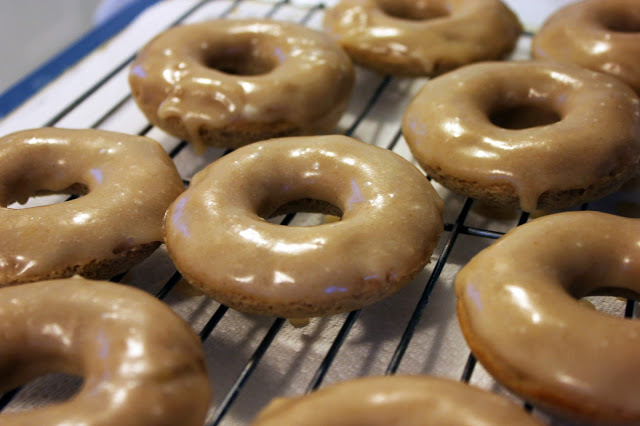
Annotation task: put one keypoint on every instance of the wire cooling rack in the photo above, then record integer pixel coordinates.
(253, 359)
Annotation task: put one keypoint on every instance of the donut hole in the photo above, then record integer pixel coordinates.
(47, 389)
(621, 22)
(415, 11)
(608, 300)
(525, 116)
(243, 59)
(37, 198)
(309, 212)
(609, 305)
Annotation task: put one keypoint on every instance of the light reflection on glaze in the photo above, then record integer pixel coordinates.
(521, 298)
(97, 175)
(308, 87)
(378, 202)
(56, 331)
(502, 145)
(253, 236)
(177, 218)
(600, 47)
(519, 319)
(240, 259)
(114, 214)
(127, 346)
(453, 127)
(284, 247)
(103, 345)
(600, 123)
(356, 195)
(81, 218)
(139, 71)
(474, 30)
(473, 296)
(244, 279)
(282, 278)
(135, 348)
(564, 78)
(579, 33)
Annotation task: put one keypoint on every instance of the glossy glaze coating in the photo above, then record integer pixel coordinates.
(411, 37)
(141, 363)
(231, 82)
(218, 238)
(601, 35)
(130, 181)
(517, 309)
(395, 400)
(589, 152)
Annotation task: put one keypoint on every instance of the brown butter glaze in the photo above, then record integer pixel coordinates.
(590, 151)
(517, 309)
(601, 35)
(217, 235)
(141, 363)
(415, 38)
(395, 400)
(130, 181)
(225, 77)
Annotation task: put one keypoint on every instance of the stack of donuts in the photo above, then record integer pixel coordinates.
(544, 134)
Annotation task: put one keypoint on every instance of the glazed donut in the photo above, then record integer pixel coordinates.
(141, 363)
(127, 182)
(231, 82)
(395, 400)
(517, 312)
(535, 134)
(601, 35)
(416, 38)
(218, 236)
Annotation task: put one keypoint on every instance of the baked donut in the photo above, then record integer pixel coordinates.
(231, 82)
(535, 134)
(517, 311)
(395, 400)
(416, 38)
(127, 183)
(141, 363)
(218, 236)
(601, 35)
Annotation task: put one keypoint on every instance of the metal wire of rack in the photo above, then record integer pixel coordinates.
(366, 119)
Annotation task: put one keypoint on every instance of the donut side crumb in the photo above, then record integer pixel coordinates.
(233, 135)
(310, 308)
(98, 269)
(504, 195)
